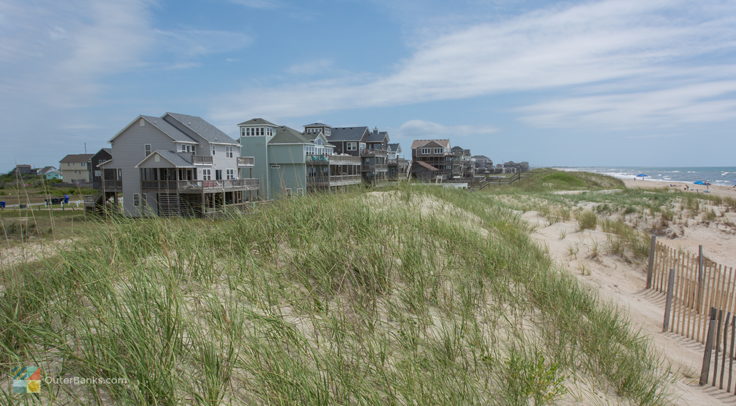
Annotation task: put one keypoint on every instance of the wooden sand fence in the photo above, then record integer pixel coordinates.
(700, 304)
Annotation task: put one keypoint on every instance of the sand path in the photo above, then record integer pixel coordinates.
(622, 284)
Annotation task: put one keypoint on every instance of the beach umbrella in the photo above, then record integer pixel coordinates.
(700, 182)
(642, 175)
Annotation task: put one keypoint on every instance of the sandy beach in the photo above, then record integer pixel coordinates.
(717, 190)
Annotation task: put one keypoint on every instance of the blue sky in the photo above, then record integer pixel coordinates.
(555, 83)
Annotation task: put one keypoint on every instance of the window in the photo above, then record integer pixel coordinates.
(230, 174)
(242, 131)
(206, 174)
(218, 174)
(213, 150)
(136, 199)
(299, 191)
(275, 166)
(229, 152)
(147, 149)
(351, 146)
(144, 199)
(288, 191)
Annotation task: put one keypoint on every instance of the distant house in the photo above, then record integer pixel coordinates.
(49, 173)
(174, 165)
(370, 146)
(483, 164)
(23, 170)
(95, 173)
(437, 156)
(289, 162)
(462, 166)
(75, 168)
(397, 166)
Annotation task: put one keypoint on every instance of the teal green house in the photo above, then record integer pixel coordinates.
(289, 162)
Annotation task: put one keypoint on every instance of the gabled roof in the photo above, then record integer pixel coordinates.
(348, 134)
(166, 128)
(426, 166)
(201, 127)
(258, 121)
(376, 136)
(172, 157)
(420, 143)
(75, 158)
(286, 135)
(394, 147)
(316, 125)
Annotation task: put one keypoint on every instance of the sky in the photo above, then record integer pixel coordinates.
(573, 83)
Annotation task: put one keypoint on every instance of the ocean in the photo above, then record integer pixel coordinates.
(718, 175)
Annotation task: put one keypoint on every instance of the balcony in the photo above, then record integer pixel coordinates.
(315, 159)
(112, 185)
(336, 180)
(344, 160)
(199, 186)
(373, 152)
(202, 159)
(246, 162)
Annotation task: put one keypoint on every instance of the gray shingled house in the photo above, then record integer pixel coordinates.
(175, 165)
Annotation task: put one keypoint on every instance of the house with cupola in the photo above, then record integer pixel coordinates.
(290, 162)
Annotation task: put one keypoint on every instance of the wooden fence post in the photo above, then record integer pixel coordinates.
(668, 305)
(701, 266)
(708, 348)
(650, 268)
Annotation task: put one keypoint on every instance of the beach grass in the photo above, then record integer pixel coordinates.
(409, 295)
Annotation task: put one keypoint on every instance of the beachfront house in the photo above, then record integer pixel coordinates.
(95, 173)
(397, 166)
(175, 165)
(431, 159)
(75, 168)
(49, 173)
(289, 162)
(482, 164)
(370, 146)
(462, 166)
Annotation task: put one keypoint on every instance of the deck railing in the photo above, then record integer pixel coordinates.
(246, 161)
(202, 159)
(185, 186)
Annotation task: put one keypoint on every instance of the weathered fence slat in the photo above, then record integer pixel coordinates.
(704, 371)
(668, 303)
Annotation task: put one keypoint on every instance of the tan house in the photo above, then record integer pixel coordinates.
(74, 168)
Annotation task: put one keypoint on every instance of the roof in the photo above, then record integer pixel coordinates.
(75, 158)
(394, 147)
(347, 133)
(46, 169)
(376, 136)
(316, 125)
(175, 159)
(257, 121)
(481, 157)
(420, 143)
(286, 135)
(168, 129)
(201, 127)
(426, 166)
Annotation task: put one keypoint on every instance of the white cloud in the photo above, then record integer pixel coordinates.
(420, 129)
(190, 43)
(561, 51)
(261, 4)
(312, 67)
